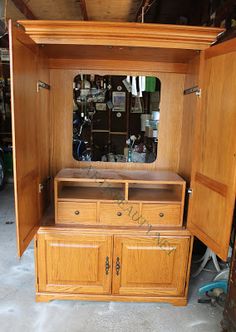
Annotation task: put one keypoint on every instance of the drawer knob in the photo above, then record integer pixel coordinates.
(161, 214)
(77, 212)
(119, 214)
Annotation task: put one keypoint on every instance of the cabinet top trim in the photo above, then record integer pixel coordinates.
(120, 34)
(91, 174)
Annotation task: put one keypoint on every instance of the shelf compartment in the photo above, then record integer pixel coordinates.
(103, 190)
(168, 193)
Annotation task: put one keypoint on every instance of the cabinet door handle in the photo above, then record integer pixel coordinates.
(119, 214)
(117, 265)
(161, 214)
(107, 265)
(77, 212)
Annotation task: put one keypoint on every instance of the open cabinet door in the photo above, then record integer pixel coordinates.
(212, 201)
(24, 58)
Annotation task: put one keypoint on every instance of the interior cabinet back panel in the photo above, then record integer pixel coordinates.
(61, 105)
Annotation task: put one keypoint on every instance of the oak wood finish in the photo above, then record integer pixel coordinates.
(104, 67)
(216, 186)
(115, 214)
(122, 34)
(154, 266)
(43, 128)
(174, 300)
(30, 118)
(162, 214)
(126, 53)
(119, 198)
(71, 212)
(190, 106)
(24, 61)
(74, 263)
(228, 46)
(213, 175)
(62, 274)
(169, 138)
(102, 175)
(143, 59)
(143, 230)
(209, 163)
(169, 129)
(159, 195)
(75, 193)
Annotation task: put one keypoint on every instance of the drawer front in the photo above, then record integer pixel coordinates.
(73, 212)
(162, 214)
(123, 214)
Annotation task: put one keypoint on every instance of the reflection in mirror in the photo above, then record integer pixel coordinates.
(115, 118)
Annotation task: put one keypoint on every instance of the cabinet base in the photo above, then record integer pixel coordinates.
(46, 297)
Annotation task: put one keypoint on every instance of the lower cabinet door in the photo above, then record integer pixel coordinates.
(151, 266)
(74, 263)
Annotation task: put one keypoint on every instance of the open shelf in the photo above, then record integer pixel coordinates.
(155, 193)
(107, 191)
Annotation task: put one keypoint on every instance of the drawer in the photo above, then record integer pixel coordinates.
(162, 214)
(123, 214)
(73, 212)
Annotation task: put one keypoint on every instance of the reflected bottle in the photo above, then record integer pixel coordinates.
(129, 158)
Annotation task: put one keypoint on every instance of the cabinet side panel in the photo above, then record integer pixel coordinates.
(171, 108)
(43, 127)
(190, 105)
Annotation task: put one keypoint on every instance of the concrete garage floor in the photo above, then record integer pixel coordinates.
(19, 311)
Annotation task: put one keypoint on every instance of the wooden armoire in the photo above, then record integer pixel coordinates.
(122, 231)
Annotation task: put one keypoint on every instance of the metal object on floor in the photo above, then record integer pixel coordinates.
(209, 254)
(215, 291)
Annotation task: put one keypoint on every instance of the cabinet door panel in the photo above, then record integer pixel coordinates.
(151, 265)
(74, 263)
(212, 202)
(29, 134)
(26, 170)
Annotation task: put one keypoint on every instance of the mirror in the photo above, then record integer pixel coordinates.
(115, 118)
